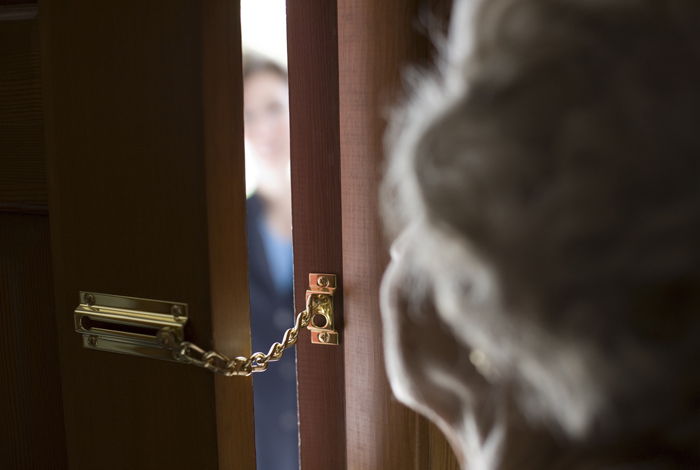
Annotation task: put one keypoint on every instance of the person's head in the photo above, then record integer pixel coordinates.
(266, 111)
(546, 185)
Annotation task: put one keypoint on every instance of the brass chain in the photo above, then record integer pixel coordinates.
(189, 353)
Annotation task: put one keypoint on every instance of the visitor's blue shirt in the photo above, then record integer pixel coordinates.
(270, 273)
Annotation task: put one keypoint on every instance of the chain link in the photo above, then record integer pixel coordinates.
(189, 353)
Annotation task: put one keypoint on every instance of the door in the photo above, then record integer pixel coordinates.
(144, 138)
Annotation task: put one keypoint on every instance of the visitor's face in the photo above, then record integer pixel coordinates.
(266, 113)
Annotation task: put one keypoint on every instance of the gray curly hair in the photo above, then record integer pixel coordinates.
(552, 167)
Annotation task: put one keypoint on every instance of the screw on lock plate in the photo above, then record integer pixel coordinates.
(319, 302)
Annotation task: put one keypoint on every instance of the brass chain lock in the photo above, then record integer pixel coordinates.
(154, 328)
(218, 363)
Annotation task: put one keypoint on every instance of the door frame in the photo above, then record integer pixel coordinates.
(346, 60)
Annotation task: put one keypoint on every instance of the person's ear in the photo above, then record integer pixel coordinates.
(429, 370)
(436, 374)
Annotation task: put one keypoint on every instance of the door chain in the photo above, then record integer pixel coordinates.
(154, 328)
(216, 362)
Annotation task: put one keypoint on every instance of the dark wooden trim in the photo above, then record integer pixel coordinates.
(312, 43)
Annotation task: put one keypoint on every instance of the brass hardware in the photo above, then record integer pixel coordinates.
(189, 353)
(128, 325)
(89, 299)
(319, 302)
(153, 328)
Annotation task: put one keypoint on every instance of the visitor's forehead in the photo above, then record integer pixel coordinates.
(264, 84)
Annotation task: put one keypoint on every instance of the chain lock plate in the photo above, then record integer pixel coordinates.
(319, 301)
(128, 325)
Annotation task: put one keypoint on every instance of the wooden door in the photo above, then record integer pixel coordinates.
(144, 137)
(144, 141)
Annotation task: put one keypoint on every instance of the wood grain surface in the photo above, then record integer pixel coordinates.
(145, 165)
(23, 182)
(378, 39)
(442, 457)
(226, 215)
(312, 44)
(31, 407)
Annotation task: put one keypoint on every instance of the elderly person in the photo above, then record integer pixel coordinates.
(543, 300)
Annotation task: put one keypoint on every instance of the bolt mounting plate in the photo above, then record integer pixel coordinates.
(127, 325)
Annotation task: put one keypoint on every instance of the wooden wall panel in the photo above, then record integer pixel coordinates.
(312, 42)
(378, 39)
